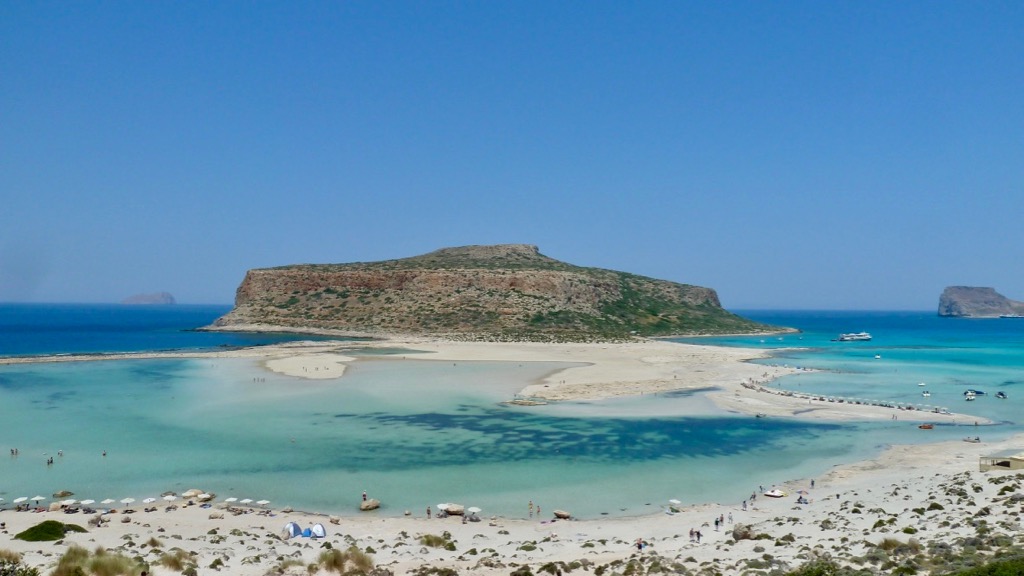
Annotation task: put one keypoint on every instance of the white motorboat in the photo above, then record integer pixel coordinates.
(854, 337)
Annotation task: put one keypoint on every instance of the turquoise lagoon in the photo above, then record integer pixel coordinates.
(414, 432)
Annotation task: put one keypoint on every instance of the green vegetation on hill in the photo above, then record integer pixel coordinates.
(505, 292)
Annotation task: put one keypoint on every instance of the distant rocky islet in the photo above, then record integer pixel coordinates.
(977, 302)
(150, 298)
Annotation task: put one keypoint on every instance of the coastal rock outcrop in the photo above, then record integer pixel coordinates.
(154, 298)
(977, 302)
(502, 292)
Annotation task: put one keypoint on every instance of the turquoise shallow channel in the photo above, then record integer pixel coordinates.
(414, 433)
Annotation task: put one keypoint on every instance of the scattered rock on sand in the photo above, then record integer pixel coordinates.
(371, 504)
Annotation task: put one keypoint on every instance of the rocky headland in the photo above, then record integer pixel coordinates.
(977, 302)
(496, 293)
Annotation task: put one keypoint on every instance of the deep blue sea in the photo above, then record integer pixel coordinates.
(415, 432)
(35, 329)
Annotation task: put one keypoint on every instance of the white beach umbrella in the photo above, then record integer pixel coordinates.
(87, 502)
(245, 501)
(674, 501)
(232, 499)
(20, 499)
(170, 497)
(443, 506)
(127, 500)
(68, 502)
(108, 501)
(38, 498)
(473, 510)
(263, 502)
(149, 500)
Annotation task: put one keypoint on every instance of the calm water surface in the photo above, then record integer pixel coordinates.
(414, 432)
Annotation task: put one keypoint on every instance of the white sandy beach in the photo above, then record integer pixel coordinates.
(889, 488)
(841, 520)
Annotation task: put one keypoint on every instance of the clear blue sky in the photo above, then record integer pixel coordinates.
(849, 155)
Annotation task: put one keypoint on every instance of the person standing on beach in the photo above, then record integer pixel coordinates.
(531, 508)
(428, 512)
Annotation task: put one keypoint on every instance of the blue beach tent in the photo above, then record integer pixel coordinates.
(292, 530)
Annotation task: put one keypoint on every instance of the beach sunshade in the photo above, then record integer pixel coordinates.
(204, 496)
(38, 498)
(263, 502)
(292, 530)
(474, 510)
(245, 501)
(127, 500)
(443, 506)
(87, 502)
(108, 501)
(674, 501)
(149, 500)
(232, 499)
(68, 502)
(20, 499)
(170, 497)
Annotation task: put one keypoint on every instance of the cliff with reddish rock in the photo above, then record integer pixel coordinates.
(503, 292)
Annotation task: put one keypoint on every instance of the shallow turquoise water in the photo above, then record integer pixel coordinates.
(949, 355)
(414, 433)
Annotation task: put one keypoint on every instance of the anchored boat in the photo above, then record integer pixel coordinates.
(854, 337)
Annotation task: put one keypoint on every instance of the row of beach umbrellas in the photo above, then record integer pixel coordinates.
(126, 501)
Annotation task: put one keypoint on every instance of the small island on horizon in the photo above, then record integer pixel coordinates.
(977, 302)
(162, 298)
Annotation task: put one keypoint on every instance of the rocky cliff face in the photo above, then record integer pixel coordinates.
(488, 292)
(976, 302)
